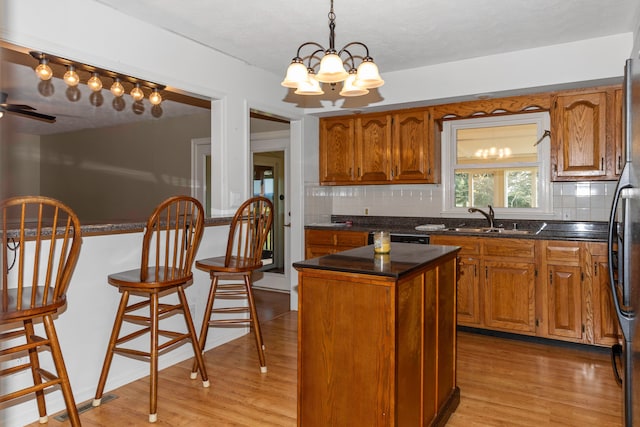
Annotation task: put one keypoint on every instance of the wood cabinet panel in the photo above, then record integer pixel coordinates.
(579, 135)
(337, 150)
(509, 301)
(373, 148)
(324, 242)
(413, 147)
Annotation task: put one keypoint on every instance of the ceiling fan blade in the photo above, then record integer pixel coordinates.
(31, 115)
(17, 107)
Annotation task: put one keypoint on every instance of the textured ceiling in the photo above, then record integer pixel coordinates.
(400, 34)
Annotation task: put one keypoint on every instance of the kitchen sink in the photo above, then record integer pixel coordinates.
(489, 230)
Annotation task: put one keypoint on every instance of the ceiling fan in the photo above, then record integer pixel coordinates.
(23, 110)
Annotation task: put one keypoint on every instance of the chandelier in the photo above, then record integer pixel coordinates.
(72, 79)
(333, 68)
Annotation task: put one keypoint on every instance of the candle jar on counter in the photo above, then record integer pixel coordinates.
(381, 242)
(382, 262)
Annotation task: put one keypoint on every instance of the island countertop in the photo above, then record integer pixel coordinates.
(402, 259)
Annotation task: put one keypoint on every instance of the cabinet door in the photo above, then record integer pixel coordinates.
(413, 154)
(468, 290)
(337, 150)
(606, 328)
(578, 137)
(373, 148)
(564, 301)
(509, 296)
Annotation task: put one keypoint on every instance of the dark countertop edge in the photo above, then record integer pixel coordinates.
(366, 258)
(373, 223)
(124, 227)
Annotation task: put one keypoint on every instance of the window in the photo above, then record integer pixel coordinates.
(497, 161)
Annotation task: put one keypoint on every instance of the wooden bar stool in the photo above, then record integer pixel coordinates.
(250, 227)
(171, 239)
(41, 241)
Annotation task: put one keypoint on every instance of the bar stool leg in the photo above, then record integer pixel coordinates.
(117, 324)
(35, 366)
(256, 324)
(194, 338)
(204, 330)
(153, 359)
(58, 361)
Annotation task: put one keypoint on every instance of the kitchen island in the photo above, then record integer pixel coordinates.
(377, 337)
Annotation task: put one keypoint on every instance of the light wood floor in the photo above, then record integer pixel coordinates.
(503, 382)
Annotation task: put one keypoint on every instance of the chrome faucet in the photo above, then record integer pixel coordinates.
(490, 216)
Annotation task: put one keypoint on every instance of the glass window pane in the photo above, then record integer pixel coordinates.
(497, 144)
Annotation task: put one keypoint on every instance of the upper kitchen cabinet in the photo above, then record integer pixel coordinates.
(582, 134)
(373, 148)
(416, 148)
(379, 148)
(337, 150)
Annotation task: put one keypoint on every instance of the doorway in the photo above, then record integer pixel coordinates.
(270, 163)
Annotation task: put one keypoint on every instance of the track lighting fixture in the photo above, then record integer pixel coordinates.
(116, 88)
(94, 82)
(43, 70)
(71, 78)
(155, 98)
(136, 93)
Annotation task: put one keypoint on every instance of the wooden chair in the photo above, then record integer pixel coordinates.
(40, 247)
(171, 239)
(249, 230)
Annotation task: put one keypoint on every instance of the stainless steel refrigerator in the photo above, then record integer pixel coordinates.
(624, 248)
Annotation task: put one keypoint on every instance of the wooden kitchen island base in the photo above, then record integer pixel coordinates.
(377, 337)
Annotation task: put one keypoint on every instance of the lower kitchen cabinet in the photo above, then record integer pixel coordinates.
(562, 295)
(324, 242)
(554, 289)
(606, 330)
(468, 286)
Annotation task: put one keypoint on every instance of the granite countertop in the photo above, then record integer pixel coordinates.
(402, 259)
(588, 231)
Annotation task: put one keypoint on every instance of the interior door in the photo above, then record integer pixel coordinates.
(270, 180)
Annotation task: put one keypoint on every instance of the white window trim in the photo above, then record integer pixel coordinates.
(541, 119)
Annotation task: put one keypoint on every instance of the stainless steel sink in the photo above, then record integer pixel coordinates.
(489, 230)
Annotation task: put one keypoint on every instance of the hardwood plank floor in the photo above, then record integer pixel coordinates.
(503, 382)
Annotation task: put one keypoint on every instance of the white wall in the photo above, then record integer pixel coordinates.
(85, 326)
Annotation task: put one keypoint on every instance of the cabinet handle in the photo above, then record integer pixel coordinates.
(619, 162)
(601, 163)
(595, 268)
(486, 273)
(396, 170)
(351, 172)
(358, 171)
(551, 277)
(475, 270)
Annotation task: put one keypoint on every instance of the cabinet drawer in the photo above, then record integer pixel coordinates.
(468, 245)
(320, 237)
(351, 238)
(509, 248)
(568, 252)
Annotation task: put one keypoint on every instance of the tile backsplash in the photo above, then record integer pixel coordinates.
(572, 201)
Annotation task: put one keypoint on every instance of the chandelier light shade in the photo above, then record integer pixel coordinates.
(94, 76)
(71, 78)
(334, 66)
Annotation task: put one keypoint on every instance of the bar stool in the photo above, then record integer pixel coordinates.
(250, 227)
(172, 235)
(40, 247)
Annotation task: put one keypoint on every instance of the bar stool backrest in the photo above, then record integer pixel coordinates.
(171, 239)
(41, 241)
(250, 227)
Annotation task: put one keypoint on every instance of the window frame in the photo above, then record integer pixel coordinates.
(449, 132)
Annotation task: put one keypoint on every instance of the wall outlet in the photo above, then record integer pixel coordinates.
(366, 211)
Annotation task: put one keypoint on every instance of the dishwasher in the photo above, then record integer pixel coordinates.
(421, 239)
